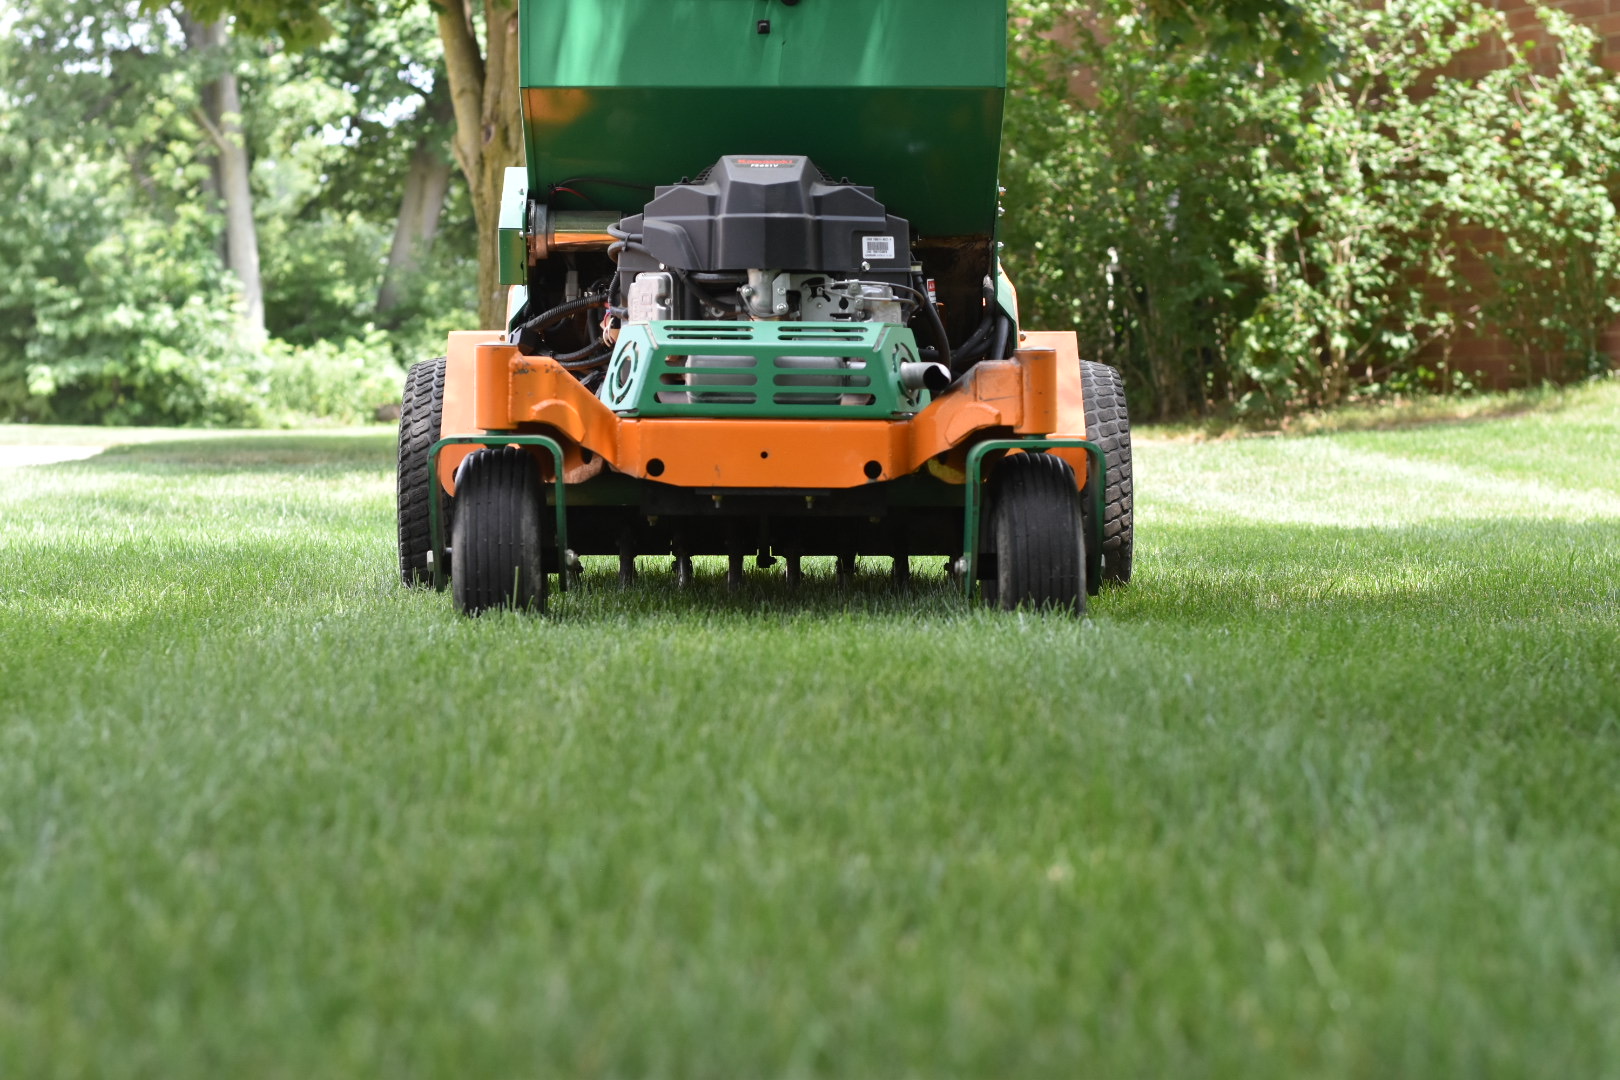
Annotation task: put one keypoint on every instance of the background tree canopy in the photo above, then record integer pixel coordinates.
(245, 212)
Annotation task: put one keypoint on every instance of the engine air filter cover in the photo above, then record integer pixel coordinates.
(777, 211)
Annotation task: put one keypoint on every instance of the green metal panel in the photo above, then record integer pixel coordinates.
(903, 95)
(762, 369)
(514, 250)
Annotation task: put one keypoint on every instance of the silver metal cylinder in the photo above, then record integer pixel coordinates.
(931, 377)
(569, 230)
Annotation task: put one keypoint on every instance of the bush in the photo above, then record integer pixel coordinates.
(345, 381)
(1239, 234)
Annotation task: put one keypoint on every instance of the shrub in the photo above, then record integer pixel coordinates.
(1244, 235)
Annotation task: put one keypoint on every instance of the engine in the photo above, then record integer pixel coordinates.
(757, 239)
(766, 238)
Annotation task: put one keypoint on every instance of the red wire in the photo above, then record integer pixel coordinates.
(570, 191)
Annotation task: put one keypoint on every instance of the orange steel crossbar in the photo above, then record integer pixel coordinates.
(491, 387)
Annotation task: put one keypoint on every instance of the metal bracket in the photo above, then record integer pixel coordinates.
(971, 499)
(435, 527)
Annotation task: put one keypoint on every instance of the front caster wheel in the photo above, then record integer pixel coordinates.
(1035, 526)
(498, 534)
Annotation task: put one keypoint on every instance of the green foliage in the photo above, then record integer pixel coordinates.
(299, 22)
(1245, 235)
(116, 306)
(112, 276)
(339, 380)
(1548, 160)
(1274, 31)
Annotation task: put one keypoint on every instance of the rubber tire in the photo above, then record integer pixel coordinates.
(1035, 527)
(420, 414)
(499, 533)
(1108, 424)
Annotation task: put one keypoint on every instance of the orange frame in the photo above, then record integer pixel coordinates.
(491, 387)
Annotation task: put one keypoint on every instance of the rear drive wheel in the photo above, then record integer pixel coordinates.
(1108, 424)
(419, 417)
(498, 533)
(1035, 526)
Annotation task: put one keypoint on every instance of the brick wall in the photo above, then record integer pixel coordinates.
(1600, 16)
(1499, 360)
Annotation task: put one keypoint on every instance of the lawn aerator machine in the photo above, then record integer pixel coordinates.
(757, 311)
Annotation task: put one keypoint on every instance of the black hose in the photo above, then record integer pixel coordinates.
(589, 363)
(1003, 332)
(973, 348)
(703, 295)
(530, 336)
(933, 318)
(578, 354)
(548, 319)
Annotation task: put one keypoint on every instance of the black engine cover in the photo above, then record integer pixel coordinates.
(776, 212)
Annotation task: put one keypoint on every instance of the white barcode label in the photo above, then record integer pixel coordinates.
(877, 247)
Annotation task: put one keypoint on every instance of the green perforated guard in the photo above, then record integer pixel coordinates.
(762, 369)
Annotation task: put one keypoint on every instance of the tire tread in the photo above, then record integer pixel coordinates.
(1108, 424)
(1040, 549)
(421, 412)
(499, 533)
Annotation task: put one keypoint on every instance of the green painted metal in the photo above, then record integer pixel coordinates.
(1006, 295)
(903, 95)
(514, 249)
(435, 528)
(762, 369)
(972, 499)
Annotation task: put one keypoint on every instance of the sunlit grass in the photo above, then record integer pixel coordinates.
(1331, 790)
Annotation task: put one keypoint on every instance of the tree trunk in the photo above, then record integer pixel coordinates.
(489, 129)
(221, 118)
(426, 185)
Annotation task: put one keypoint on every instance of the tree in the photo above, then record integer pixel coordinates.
(489, 131)
(483, 87)
(220, 115)
(113, 305)
(421, 204)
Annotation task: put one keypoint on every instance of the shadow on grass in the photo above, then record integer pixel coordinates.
(257, 453)
(1493, 568)
(1398, 414)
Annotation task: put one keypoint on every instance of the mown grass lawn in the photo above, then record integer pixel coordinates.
(1332, 790)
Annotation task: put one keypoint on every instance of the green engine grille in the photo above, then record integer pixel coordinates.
(764, 369)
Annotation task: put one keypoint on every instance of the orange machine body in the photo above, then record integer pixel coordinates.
(491, 388)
